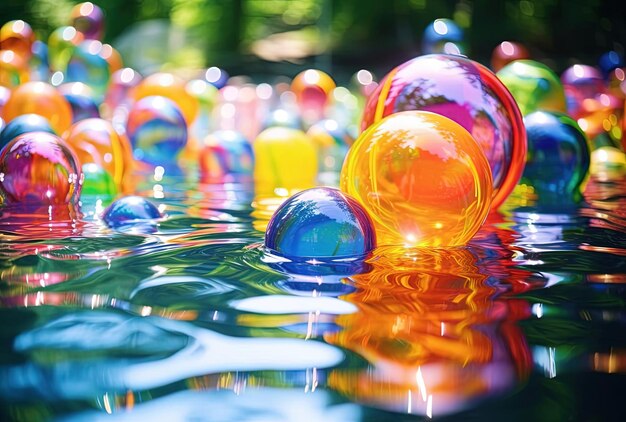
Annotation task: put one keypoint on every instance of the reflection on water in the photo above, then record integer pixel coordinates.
(524, 323)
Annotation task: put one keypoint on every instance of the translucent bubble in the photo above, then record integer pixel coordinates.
(423, 179)
(534, 86)
(24, 124)
(81, 98)
(468, 93)
(39, 98)
(88, 19)
(443, 36)
(17, 36)
(172, 87)
(97, 182)
(96, 141)
(558, 156)
(284, 158)
(225, 154)
(507, 52)
(87, 65)
(320, 223)
(39, 168)
(157, 130)
(129, 211)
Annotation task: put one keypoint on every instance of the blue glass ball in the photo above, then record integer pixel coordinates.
(130, 210)
(24, 124)
(157, 130)
(443, 36)
(557, 161)
(320, 223)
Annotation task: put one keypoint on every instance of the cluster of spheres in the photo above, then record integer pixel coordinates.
(418, 159)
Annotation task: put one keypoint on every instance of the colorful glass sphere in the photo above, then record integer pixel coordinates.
(581, 82)
(558, 156)
(88, 66)
(225, 153)
(332, 142)
(24, 124)
(17, 36)
(172, 87)
(96, 141)
(130, 210)
(39, 168)
(97, 182)
(39, 98)
(39, 65)
(609, 61)
(468, 93)
(157, 130)
(120, 89)
(13, 69)
(534, 86)
(61, 44)
(423, 179)
(88, 19)
(507, 52)
(112, 57)
(81, 98)
(443, 36)
(320, 223)
(313, 89)
(284, 158)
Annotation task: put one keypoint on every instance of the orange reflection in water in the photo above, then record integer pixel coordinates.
(435, 334)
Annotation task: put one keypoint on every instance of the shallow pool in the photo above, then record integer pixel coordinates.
(193, 320)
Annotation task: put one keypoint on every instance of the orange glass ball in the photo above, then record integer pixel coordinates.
(17, 36)
(172, 87)
(39, 98)
(96, 141)
(423, 179)
(13, 68)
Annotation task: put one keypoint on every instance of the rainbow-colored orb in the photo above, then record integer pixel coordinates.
(130, 211)
(39, 168)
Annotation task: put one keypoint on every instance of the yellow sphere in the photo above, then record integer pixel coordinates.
(422, 177)
(285, 158)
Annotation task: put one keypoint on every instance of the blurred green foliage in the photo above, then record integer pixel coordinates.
(351, 33)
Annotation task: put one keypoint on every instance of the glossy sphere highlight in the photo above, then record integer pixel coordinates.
(39, 168)
(39, 98)
(61, 44)
(284, 158)
(507, 52)
(88, 19)
(172, 87)
(312, 88)
(468, 93)
(24, 124)
(558, 155)
(225, 153)
(17, 36)
(534, 86)
(320, 223)
(130, 210)
(423, 179)
(157, 130)
(96, 141)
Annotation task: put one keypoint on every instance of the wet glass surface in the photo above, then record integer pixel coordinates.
(192, 319)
